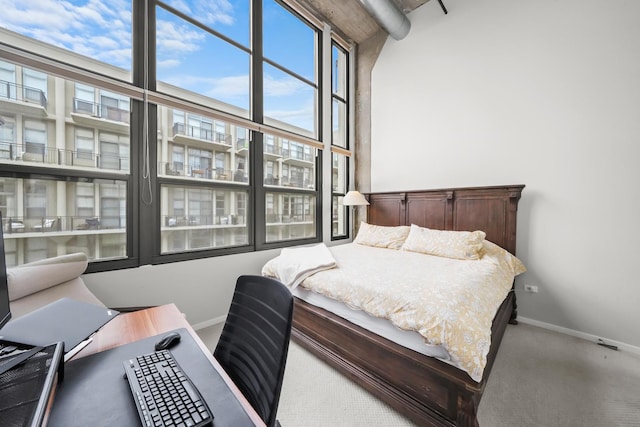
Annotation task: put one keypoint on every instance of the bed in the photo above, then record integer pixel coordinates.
(427, 388)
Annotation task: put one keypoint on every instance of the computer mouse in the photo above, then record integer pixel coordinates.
(168, 341)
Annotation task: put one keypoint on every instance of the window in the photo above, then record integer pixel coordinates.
(85, 203)
(339, 180)
(290, 216)
(214, 149)
(84, 143)
(8, 87)
(35, 140)
(84, 102)
(340, 141)
(290, 76)
(114, 151)
(7, 139)
(194, 57)
(34, 86)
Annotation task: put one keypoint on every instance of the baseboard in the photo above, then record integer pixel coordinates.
(589, 337)
(209, 322)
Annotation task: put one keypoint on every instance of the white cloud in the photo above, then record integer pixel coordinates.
(177, 39)
(93, 28)
(168, 63)
(282, 87)
(208, 12)
(181, 5)
(212, 12)
(217, 88)
(229, 86)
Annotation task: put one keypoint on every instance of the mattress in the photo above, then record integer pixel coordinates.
(408, 339)
(445, 305)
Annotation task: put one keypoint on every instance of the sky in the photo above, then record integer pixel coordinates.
(187, 56)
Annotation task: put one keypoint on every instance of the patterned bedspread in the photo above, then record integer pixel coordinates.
(449, 302)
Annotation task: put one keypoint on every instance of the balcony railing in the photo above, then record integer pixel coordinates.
(22, 93)
(297, 155)
(288, 182)
(202, 220)
(102, 111)
(50, 224)
(215, 174)
(288, 219)
(202, 133)
(272, 149)
(38, 153)
(242, 144)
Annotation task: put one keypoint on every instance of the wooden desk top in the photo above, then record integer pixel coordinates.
(129, 327)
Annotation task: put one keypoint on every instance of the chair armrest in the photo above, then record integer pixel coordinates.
(27, 279)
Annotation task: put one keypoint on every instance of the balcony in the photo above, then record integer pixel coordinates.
(272, 151)
(203, 221)
(37, 153)
(192, 171)
(190, 134)
(277, 219)
(242, 144)
(100, 116)
(298, 158)
(275, 181)
(61, 225)
(22, 99)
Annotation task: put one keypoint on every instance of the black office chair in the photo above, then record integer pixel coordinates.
(255, 340)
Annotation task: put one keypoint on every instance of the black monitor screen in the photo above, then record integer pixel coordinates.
(5, 313)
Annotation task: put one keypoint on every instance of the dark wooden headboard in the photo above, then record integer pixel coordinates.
(490, 209)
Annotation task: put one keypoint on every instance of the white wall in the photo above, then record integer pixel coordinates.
(202, 289)
(543, 93)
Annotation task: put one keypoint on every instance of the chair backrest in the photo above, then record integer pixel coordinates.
(255, 340)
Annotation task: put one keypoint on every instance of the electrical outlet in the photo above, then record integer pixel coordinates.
(530, 288)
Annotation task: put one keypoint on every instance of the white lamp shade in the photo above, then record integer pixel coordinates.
(354, 198)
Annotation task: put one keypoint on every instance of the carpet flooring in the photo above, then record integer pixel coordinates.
(540, 379)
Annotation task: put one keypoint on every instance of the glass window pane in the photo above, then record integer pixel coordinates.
(46, 218)
(290, 216)
(230, 18)
(338, 173)
(201, 67)
(288, 163)
(68, 141)
(339, 68)
(202, 148)
(288, 41)
(338, 217)
(195, 218)
(339, 125)
(84, 143)
(94, 30)
(289, 103)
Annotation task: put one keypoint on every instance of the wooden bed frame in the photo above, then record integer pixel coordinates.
(425, 389)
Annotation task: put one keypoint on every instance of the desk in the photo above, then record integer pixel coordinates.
(130, 327)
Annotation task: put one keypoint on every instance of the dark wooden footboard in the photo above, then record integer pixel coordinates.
(424, 389)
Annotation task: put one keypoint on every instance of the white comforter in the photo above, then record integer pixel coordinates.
(449, 302)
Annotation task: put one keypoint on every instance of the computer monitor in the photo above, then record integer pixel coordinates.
(5, 311)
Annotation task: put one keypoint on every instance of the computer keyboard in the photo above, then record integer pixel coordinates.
(163, 394)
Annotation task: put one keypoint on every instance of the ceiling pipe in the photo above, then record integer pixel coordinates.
(389, 16)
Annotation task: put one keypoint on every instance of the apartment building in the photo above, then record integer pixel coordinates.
(47, 121)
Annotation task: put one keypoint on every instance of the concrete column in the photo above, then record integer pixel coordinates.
(366, 57)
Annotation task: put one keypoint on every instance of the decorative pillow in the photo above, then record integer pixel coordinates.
(504, 257)
(382, 236)
(449, 244)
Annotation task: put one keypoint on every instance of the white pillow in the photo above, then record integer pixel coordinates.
(381, 236)
(450, 244)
